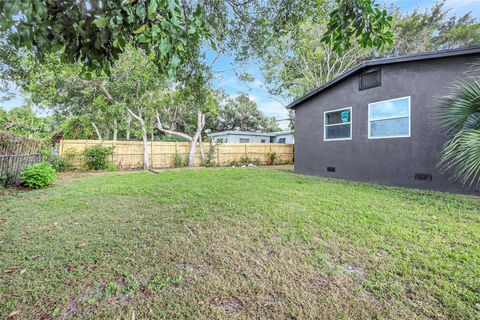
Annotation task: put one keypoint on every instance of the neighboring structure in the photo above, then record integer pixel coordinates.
(252, 137)
(377, 122)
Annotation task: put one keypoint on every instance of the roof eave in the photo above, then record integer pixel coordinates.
(385, 61)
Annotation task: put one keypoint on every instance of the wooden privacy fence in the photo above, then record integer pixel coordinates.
(129, 154)
(16, 152)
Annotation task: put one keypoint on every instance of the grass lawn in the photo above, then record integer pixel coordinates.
(237, 243)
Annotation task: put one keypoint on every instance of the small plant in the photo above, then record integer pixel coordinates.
(64, 162)
(272, 158)
(112, 167)
(178, 161)
(257, 162)
(112, 289)
(245, 160)
(159, 282)
(96, 157)
(6, 180)
(210, 161)
(45, 153)
(38, 175)
(234, 163)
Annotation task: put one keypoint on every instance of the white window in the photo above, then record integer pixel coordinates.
(389, 118)
(244, 140)
(337, 125)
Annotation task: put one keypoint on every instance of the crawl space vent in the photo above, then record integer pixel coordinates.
(423, 176)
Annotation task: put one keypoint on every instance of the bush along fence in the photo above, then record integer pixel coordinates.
(129, 154)
(16, 152)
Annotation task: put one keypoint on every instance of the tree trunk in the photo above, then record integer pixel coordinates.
(146, 162)
(99, 134)
(193, 143)
(115, 130)
(129, 121)
(175, 133)
(202, 150)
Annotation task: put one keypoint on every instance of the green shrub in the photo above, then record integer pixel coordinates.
(112, 167)
(257, 162)
(272, 158)
(38, 175)
(178, 161)
(64, 162)
(45, 153)
(6, 181)
(245, 160)
(234, 163)
(210, 160)
(96, 157)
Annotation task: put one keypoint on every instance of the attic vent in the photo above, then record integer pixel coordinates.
(370, 79)
(330, 169)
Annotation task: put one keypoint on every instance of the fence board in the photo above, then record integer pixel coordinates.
(16, 152)
(129, 154)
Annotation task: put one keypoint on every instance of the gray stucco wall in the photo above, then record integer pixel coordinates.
(393, 161)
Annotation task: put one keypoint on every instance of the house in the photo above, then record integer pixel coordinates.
(377, 122)
(252, 137)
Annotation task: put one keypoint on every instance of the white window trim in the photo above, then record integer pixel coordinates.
(325, 125)
(389, 118)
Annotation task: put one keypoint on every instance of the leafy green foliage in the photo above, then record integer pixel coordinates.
(245, 160)
(459, 114)
(362, 20)
(26, 122)
(242, 113)
(6, 180)
(112, 167)
(38, 175)
(272, 158)
(95, 33)
(96, 157)
(178, 161)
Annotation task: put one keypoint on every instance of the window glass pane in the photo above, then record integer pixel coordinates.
(390, 127)
(340, 116)
(281, 140)
(387, 109)
(244, 140)
(337, 132)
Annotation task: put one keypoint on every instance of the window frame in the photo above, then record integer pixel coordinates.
(390, 118)
(325, 125)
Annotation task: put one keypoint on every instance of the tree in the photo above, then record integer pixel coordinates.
(193, 99)
(24, 121)
(241, 113)
(299, 61)
(248, 28)
(96, 32)
(434, 29)
(459, 113)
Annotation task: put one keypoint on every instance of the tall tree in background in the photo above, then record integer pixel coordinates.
(241, 113)
(191, 102)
